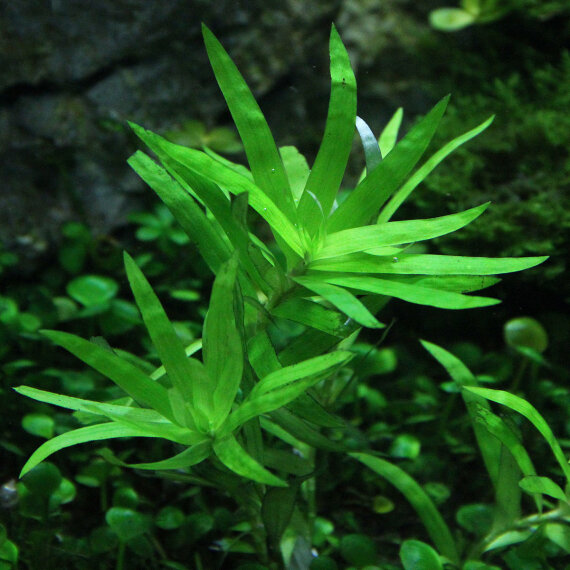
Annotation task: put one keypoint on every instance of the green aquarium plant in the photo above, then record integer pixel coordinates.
(235, 415)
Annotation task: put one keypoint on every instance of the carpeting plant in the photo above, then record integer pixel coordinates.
(332, 267)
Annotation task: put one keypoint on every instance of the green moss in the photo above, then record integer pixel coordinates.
(521, 163)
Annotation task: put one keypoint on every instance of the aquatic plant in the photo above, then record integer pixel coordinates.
(247, 403)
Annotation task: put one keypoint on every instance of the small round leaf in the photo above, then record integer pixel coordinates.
(39, 424)
(127, 523)
(44, 479)
(92, 290)
(417, 555)
(169, 518)
(358, 549)
(526, 332)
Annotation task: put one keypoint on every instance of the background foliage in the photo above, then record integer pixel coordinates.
(403, 402)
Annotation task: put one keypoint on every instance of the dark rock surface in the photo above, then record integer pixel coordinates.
(72, 73)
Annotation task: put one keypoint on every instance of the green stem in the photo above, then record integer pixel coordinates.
(121, 556)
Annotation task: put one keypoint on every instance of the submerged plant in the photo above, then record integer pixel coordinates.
(334, 264)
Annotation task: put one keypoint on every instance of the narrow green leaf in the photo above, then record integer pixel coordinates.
(498, 427)
(329, 167)
(297, 170)
(184, 208)
(112, 411)
(200, 451)
(368, 197)
(455, 283)
(489, 446)
(420, 174)
(531, 414)
(235, 458)
(411, 293)
(309, 343)
(276, 511)
(372, 154)
(418, 498)
(239, 168)
(426, 264)
(82, 435)
(535, 484)
(191, 349)
(391, 233)
(217, 202)
(508, 495)
(341, 299)
(262, 155)
(389, 136)
(135, 383)
(222, 344)
(229, 180)
(144, 419)
(186, 374)
(318, 365)
(283, 386)
(284, 424)
(312, 315)
(261, 353)
(307, 407)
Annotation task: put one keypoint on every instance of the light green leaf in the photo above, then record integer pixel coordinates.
(455, 283)
(531, 414)
(262, 155)
(135, 383)
(426, 264)
(217, 202)
(318, 365)
(235, 458)
(222, 344)
(239, 168)
(90, 406)
(417, 555)
(199, 451)
(372, 154)
(142, 418)
(328, 170)
(373, 236)
(413, 182)
(297, 170)
(92, 290)
(184, 208)
(535, 484)
(509, 538)
(186, 374)
(368, 197)
(410, 293)
(283, 386)
(341, 299)
(389, 136)
(420, 501)
(229, 180)
(82, 435)
(559, 534)
(191, 349)
(451, 19)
